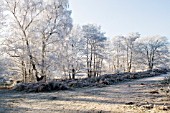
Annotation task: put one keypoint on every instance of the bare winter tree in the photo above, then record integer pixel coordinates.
(53, 29)
(37, 26)
(117, 54)
(95, 40)
(129, 46)
(24, 15)
(41, 42)
(76, 44)
(152, 51)
(122, 52)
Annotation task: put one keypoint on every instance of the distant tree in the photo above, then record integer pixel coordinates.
(117, 54)
(95, 40)
(77, 44)
(152, 51)
(122, 51)
(129, 46)
(71, 53)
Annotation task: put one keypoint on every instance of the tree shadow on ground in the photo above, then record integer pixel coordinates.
(98, 95)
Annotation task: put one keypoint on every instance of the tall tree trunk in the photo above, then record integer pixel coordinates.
(127, 58)
(34, 69)
(91, 59)
(94, 62)
(43, 60)
(24, 73)
(87, 60)
(130, 62)
(73, 72)
(117, 67)
(101, 65)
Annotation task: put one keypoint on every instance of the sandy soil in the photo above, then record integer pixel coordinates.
(138, 96)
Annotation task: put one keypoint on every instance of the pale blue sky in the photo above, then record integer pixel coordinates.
(120, 17)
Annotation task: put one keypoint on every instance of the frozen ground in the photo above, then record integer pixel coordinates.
(138, 96)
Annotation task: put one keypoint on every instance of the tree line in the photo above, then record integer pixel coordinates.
(40, 42)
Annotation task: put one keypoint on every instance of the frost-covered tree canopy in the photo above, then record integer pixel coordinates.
(41, 43)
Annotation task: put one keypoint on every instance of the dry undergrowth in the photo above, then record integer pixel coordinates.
(138, 96)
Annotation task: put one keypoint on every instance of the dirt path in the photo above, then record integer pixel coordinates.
(137, 96)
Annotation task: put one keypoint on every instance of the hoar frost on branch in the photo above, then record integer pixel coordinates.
(41, 43)
(37, 28)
